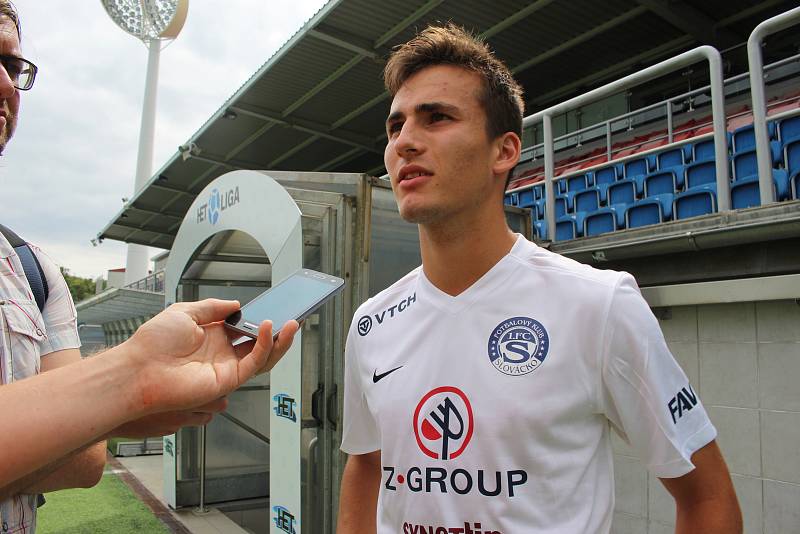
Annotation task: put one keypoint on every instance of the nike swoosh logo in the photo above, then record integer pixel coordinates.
(376, 376)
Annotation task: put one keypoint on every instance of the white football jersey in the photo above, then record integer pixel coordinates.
(492, 409)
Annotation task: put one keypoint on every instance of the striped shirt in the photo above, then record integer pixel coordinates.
(25, 336)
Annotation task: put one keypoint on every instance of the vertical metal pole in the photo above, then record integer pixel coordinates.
(669, 121)
(201, 507)
(756, 66)
(608, 140)
(720, 129)
(136, 264)
(549, 166)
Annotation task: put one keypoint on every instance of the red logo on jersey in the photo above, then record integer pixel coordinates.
(443, 423)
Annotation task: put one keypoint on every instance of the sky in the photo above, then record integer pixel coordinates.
(73, 156)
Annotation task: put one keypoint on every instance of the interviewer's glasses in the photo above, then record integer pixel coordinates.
(21, 71)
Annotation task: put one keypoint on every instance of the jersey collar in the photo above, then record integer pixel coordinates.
(494, 277)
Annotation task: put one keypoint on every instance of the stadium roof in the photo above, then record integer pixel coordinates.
(319, 104)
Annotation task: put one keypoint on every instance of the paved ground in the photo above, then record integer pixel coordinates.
(147, 471)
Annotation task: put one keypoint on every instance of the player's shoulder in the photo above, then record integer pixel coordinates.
(555, 268)
(389, 296)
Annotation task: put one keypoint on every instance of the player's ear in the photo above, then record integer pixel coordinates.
(508, 147)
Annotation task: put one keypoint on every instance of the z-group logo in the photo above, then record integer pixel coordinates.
(443, 423)
(444, 426)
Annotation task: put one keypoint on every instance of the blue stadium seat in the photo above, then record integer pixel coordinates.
(510, 199)
(644, 212)
(703, 151)
(791, 157)
(667, 200)
(674, 157)
(636, 167)
(701, 174)
(745, 164)
(565, 229)
(538, 209)
(744, 138)
(659, 183)
(789, 129)
(525, 198)
(622, 193)
(602, 221)
(606, 175)
(538, 191)
(577, 183)
(587, 200)
(603, 178)
(578, 218)
(540, 229)
(695, 202)
(561, 186)
(562, 207)
(745, 192)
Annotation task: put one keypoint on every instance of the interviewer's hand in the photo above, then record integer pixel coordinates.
(165, 423)
(183, 357)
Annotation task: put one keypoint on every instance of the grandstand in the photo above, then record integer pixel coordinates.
(655, 145)
(655, 174)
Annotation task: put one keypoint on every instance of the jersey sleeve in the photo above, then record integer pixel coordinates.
(359, 429)
(644, 392)
(60, 317)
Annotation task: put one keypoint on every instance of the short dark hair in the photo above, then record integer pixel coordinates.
(7, 9)
(453, 45)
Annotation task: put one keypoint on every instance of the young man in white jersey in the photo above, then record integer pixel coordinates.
(483, 403)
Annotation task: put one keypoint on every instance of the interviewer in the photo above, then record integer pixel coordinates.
(174, 371)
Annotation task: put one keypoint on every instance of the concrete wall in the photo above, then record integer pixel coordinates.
(744, 361)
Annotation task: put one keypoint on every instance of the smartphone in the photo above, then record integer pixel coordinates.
(295, 297)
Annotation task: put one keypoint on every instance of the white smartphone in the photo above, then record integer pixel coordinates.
(295, 297)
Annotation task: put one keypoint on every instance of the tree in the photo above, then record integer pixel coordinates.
(79, 288)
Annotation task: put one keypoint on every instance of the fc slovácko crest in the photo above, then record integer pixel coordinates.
(518, 346)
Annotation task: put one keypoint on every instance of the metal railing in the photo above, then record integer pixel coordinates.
(759, 101)
(708, 53)
(153, 282)
(626, 119)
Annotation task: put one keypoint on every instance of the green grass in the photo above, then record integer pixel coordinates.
(108, 508)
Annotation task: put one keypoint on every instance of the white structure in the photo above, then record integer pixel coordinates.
(154, 22)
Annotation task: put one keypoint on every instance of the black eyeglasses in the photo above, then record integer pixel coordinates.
(21, 71)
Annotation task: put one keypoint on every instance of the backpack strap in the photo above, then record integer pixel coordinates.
(30, 264)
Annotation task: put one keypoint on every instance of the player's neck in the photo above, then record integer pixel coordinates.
(455, 256)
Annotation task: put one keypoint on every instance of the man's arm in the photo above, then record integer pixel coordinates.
(50, 478)
(358, 499)
(180, 359)
(81, 469)
(705, 498)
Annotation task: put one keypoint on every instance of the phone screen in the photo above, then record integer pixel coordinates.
(289, 299)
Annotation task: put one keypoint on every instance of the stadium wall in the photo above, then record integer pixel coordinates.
(744, 360)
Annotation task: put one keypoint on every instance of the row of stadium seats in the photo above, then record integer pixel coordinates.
(676, 183)
(692, 128)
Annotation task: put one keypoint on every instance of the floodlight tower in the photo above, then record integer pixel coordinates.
(154, 22)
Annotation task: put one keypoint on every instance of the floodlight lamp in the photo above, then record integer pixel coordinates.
(148, 20)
